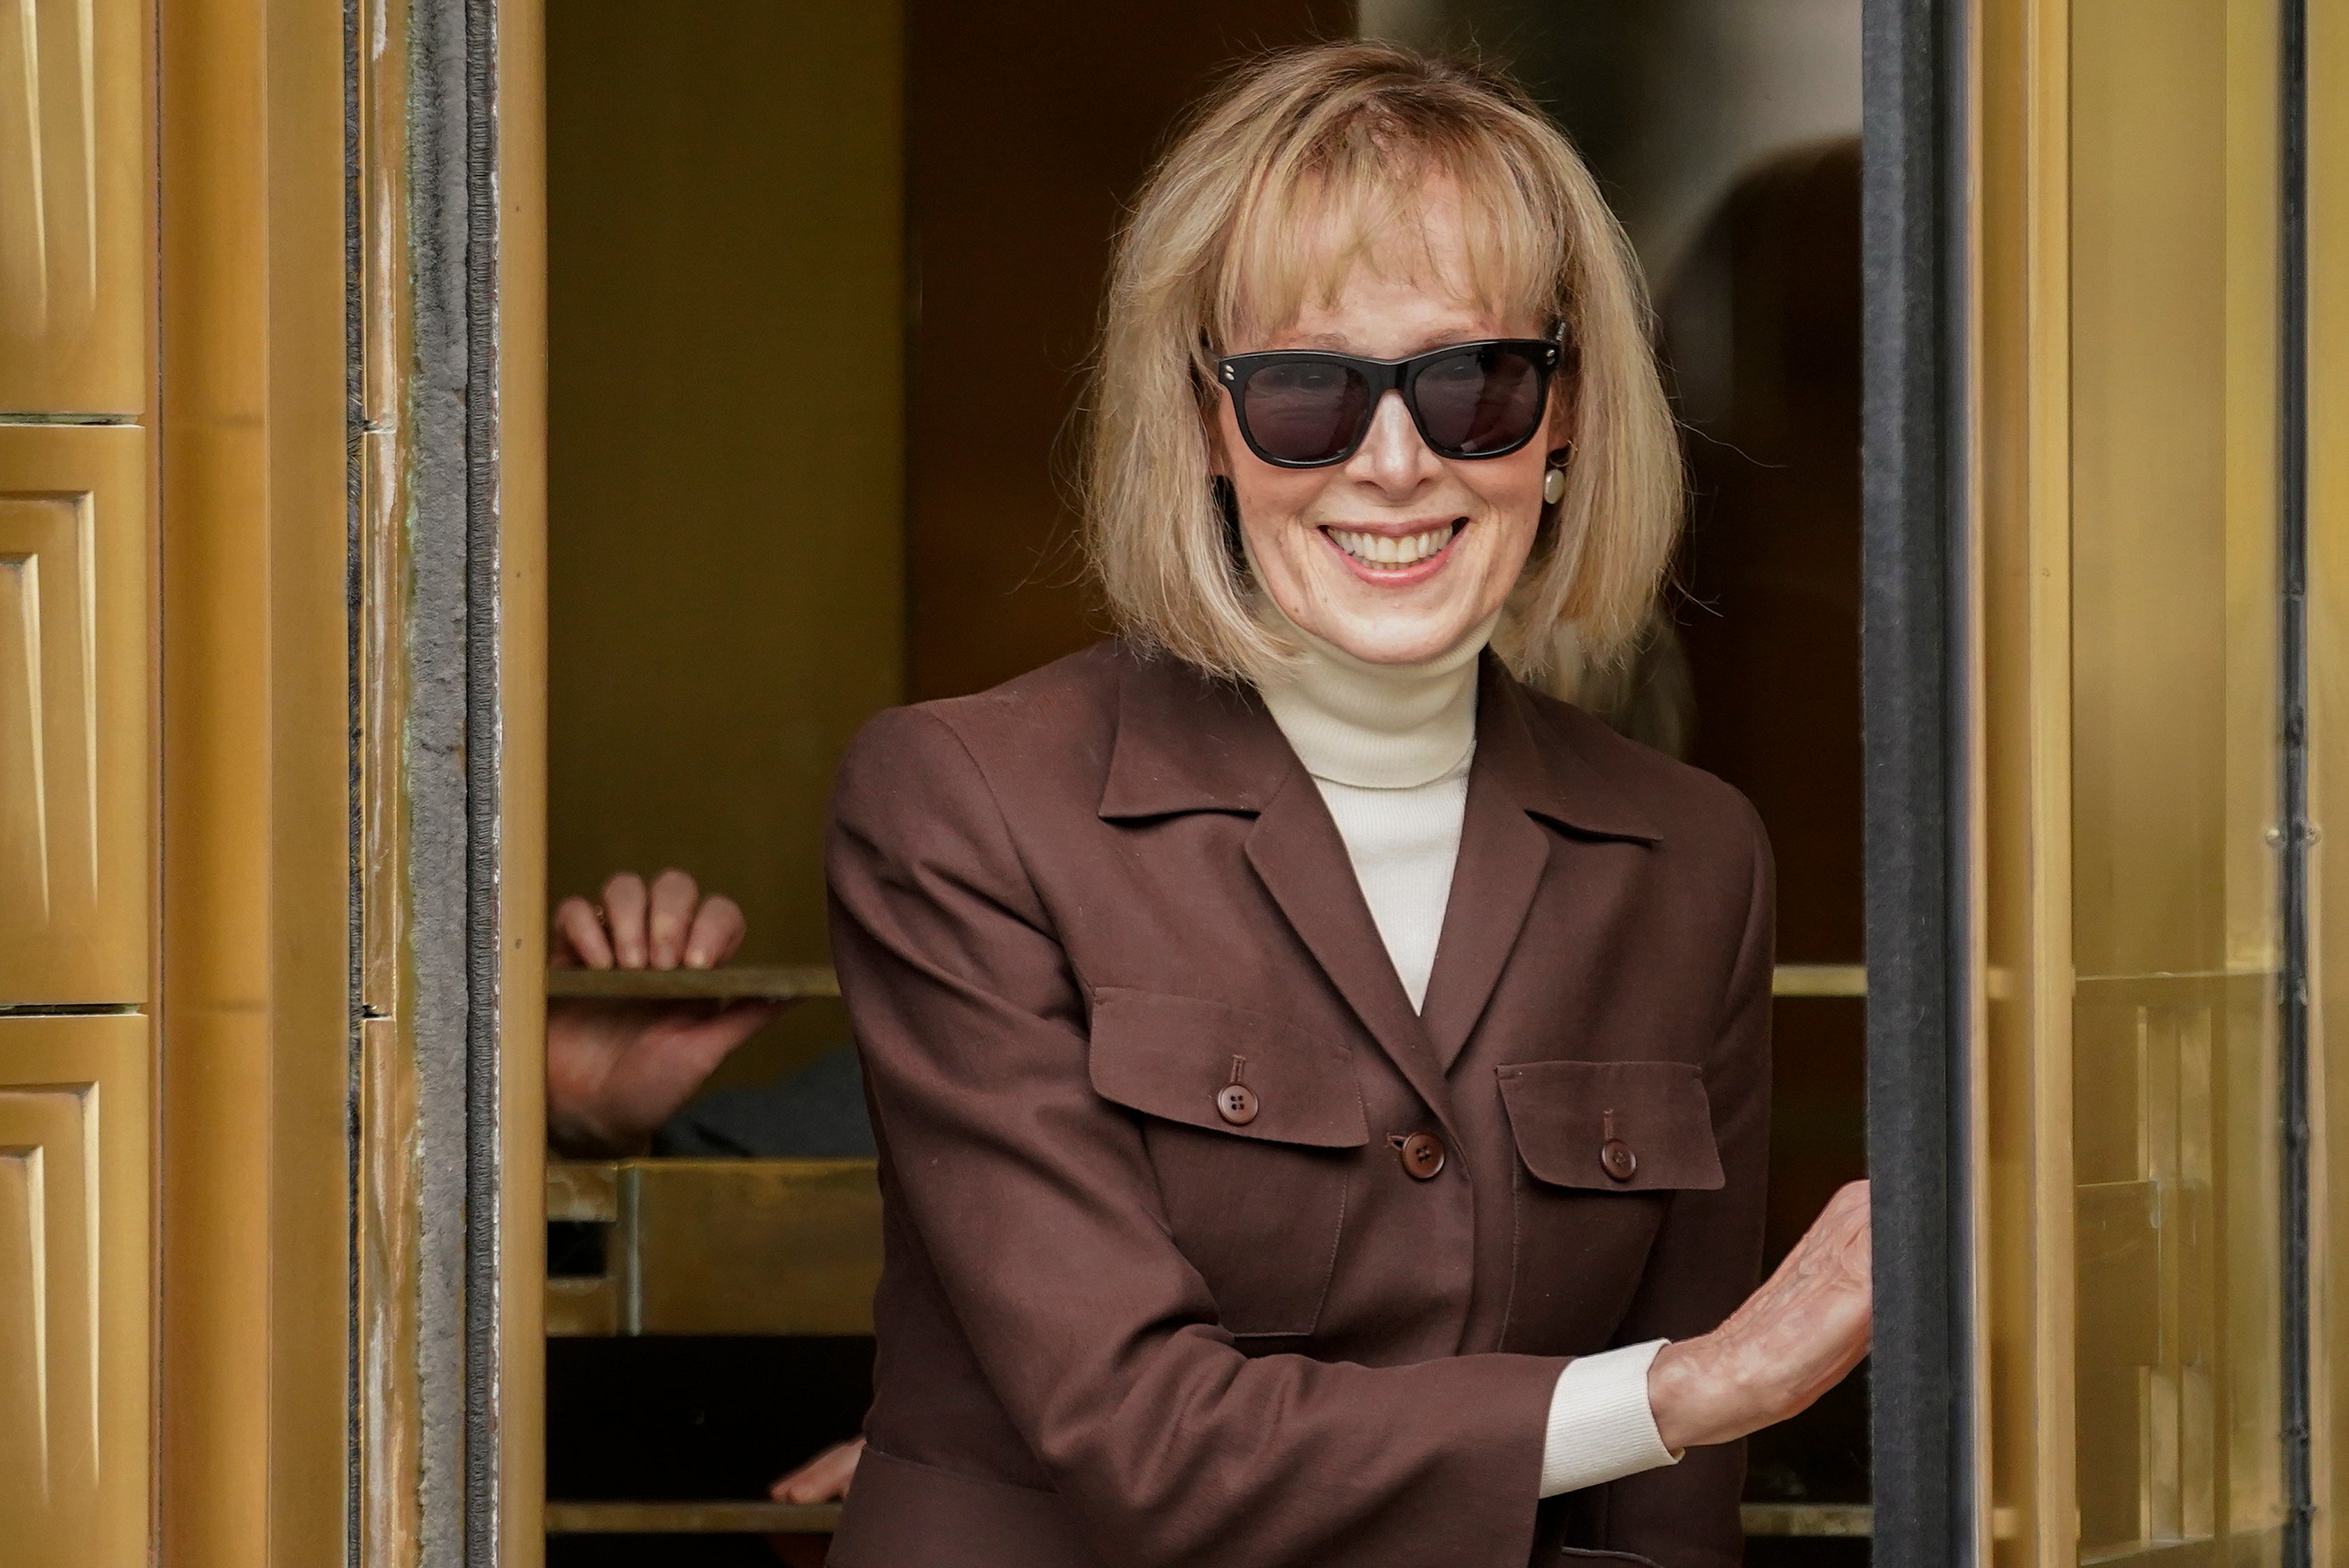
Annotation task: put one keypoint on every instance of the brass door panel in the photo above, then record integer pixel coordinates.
(2178, 1232)
(76, 240)
(719, 1247)
(74, 1291)
(74, 609)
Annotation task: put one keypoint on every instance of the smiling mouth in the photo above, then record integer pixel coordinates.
(1386, 553)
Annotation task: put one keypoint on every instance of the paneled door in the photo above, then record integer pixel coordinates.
(76, 766)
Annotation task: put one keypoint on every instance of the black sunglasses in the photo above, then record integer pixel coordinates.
(1299, 408)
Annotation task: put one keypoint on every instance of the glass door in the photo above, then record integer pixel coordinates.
(2140, 1248)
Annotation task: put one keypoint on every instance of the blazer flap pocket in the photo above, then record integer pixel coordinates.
(1613, 1127)
(1179, 1057)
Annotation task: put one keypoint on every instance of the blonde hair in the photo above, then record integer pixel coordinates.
(1279, 184)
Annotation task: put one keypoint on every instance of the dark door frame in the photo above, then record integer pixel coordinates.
(1913, 640)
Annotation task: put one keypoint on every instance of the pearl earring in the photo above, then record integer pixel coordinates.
(1554, 481)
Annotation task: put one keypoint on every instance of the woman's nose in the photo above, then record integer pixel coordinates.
(1393, 457)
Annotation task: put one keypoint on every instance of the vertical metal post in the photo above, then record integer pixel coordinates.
(1913, 705)
(2293, 835)
(484, 782)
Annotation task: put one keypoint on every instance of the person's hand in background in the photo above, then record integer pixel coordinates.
(616, 1070)
(823, 1478)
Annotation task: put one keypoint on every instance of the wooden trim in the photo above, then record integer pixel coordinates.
(744, 983)
(522, 808)
(721, 1517)
(390, 1245)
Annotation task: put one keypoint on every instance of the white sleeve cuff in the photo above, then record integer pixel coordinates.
(1601, 1426)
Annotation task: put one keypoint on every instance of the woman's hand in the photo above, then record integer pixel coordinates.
(1792, 1341)
(616, 1070)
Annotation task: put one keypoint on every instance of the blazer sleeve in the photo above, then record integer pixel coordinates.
(1707, 1259)
(1036, 1203)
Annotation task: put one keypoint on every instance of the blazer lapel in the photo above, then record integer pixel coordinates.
(1524, 769)
(1504, 855)
(1185, 743)
(1296, 851)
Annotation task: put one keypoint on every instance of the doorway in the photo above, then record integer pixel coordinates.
(821, 285)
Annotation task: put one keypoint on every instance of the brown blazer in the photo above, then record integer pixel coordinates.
(1120, 1328)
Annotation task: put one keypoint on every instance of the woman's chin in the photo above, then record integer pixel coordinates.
(1397, 632)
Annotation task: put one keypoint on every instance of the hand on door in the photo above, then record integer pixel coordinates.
(1791, 1341)
(616, 1070)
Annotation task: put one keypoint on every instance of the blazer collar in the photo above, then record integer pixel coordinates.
(1551, 770)
(1187, 742)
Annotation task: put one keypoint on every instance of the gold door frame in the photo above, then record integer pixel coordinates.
(1989, 375)
(2051, 148)
(350, 496)
(254, 1012)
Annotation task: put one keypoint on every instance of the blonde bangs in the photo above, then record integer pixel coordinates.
(1306, 166)
(1316, 215)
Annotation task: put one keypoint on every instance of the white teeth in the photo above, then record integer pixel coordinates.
(1381, 550)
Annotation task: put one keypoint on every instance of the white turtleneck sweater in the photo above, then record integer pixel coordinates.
(1389, 747)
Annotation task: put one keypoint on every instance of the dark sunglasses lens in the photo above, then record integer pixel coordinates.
(1480, 400)
(1304, 411)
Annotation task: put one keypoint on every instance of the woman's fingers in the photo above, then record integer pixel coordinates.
(1839, 1246)
(623, 915)
(823, 1478)
(717, 931)
(578, 938)
(674, 895)
(1789, 1343)
(1810, 1324)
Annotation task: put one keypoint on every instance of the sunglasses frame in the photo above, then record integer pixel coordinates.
(1384, 375)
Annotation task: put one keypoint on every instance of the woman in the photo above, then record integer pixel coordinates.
(1322, 1084)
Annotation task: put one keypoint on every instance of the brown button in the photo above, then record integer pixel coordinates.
(1423, 1155)
(1615, 1158)
(1235, 1103)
